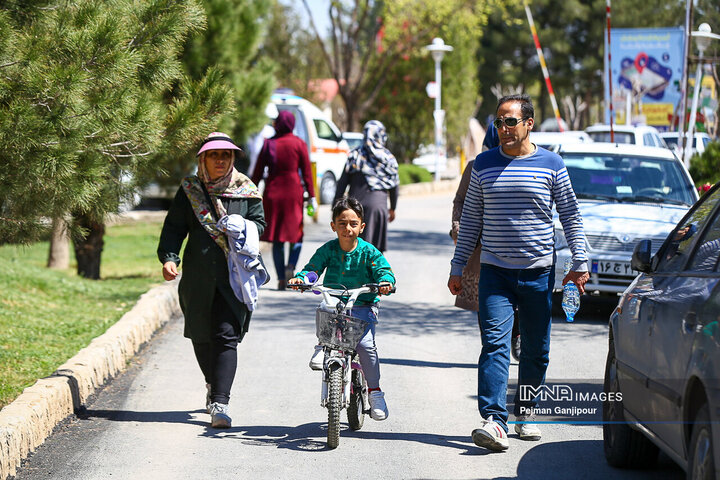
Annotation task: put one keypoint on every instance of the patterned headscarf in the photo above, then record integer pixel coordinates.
(373, 160)
(232, 184)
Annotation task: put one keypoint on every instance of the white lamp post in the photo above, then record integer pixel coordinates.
(703, 36)
(438, 49)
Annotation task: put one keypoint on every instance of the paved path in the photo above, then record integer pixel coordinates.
(149, 422)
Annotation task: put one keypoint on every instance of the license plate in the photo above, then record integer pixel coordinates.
(612, 268)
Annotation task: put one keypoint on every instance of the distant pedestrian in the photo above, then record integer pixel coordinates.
(371, 172)
(509, 206)
(285, 156)
(215, 319)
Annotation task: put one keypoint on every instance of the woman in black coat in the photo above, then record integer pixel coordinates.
(215, 320)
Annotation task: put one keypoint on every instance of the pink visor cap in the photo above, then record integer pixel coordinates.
(217, 141)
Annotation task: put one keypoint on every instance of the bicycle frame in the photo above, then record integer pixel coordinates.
(342, 357)
(339, 362)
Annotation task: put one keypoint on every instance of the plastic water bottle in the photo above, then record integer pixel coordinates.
(571, 295)
(311, 207)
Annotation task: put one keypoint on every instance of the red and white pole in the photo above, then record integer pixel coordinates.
(541, 57)
(609, 60)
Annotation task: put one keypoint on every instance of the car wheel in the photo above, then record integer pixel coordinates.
(701, 463)
(328, 185)
(624, 447)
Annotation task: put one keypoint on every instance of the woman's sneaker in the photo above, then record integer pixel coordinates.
(318, 358)
(219, 415)
(527, 431)
(378, 407)
(491, 435)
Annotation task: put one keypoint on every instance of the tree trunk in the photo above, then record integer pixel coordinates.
(59, 255)
(88, 248)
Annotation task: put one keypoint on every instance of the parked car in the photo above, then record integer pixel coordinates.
(427, 159)
(664, 351)
(625, 193)
(326, 146)
(353, 139)
(699, 143)
(635, 135)
(550, 140)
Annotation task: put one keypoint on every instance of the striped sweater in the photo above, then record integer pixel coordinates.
(509, 206)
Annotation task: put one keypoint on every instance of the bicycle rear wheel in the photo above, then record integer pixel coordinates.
(356, 412)
(334, 405)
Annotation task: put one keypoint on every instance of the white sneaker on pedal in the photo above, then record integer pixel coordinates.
(527, 431)
(378, 407)
(318, 358)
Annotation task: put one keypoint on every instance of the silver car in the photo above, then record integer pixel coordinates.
(626, 193)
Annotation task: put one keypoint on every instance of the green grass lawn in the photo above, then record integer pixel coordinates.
(47, 316)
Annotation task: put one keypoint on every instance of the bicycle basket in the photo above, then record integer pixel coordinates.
(339, 330)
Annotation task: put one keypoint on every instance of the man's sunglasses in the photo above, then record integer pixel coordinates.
(509, 121)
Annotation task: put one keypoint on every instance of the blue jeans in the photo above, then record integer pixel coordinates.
(278, 252)
(366, 348)
(500, 290)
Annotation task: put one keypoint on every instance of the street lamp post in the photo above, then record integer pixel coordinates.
(703, 37)
(438, 49)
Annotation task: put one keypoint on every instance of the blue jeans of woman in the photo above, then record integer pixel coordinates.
(278, 252)
(500, 290)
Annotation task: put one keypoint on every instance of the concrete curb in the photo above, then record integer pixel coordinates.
(31, 418)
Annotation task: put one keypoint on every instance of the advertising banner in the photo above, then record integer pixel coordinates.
(646, 71)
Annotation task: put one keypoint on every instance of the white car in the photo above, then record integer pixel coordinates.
(550, 140)
(354, 139)
(427, 159)
(326, 146)
(700, 141)
(630, 134)
(626, 193)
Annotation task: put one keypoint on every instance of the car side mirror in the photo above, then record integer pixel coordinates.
(641, 256)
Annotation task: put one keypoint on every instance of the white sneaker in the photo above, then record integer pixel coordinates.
(378, 407)
(318, 358)
(220, 417)
(491, 435)
(527, 431)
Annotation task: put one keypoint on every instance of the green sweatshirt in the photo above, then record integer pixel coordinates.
(365, 264)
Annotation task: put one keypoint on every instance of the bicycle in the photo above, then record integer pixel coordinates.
(338, 332)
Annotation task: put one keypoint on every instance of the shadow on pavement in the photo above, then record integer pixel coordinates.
(553, 460)
(432, 243)
(421, 363)
(183, 416)
(303, 437)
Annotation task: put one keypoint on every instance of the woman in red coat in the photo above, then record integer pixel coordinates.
(286, 158)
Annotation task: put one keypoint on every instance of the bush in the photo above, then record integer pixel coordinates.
(705, 168)
(410, 173)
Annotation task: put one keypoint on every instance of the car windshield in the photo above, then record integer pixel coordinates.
(673, 141)
(627, 178)
(620, 137)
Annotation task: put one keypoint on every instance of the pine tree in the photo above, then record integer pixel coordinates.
(92, 95)
(230, 43)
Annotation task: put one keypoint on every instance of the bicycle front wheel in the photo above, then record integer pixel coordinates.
(334, 405)
(355, 412)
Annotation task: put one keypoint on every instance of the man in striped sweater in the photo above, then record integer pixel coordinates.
(509, 207)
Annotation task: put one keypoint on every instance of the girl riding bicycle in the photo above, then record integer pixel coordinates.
(352, 262)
